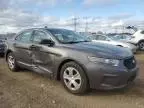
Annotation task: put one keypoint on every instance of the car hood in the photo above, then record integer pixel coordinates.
(117, 43)
(101, 50)
(124, 44)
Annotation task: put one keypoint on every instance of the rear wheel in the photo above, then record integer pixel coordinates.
(74, 78)
(12, 62)
(141, 45)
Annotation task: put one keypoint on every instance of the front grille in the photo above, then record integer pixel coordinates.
(130, 63)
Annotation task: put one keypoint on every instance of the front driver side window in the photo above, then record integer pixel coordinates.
(40, 35)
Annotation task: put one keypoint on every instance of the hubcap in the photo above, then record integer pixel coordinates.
(11, 62)
(142, 45)
(72, 78)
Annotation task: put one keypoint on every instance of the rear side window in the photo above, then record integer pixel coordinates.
(24, 37)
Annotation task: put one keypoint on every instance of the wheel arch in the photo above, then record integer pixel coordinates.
(7, 52)
(141, 40)
(139, 44)
(66, 61)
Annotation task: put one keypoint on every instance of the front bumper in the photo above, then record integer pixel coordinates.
(108, 78)
(133, 42)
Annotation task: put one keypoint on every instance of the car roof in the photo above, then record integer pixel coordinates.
(45, 29)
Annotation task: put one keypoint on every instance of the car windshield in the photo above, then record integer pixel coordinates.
(113, 37)
(67, 36)
(127, 37)
(120, 37)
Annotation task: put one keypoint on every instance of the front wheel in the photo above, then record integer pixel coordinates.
(141, 45)
(74, 78)
(12, 62)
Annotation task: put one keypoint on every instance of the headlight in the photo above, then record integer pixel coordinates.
(112, 62)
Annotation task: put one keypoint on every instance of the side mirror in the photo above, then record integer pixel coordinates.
(48, 42)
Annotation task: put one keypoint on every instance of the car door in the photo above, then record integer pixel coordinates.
(22, 48)
(42, 56)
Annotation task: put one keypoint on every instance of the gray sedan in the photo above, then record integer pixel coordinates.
(66, 56)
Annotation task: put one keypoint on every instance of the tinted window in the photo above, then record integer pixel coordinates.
(39, 35)
(119, 37)
(95, 37)
(102, 38)
(124, 37)
(25, 37)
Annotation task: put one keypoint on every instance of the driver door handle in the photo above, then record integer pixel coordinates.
(34, 47)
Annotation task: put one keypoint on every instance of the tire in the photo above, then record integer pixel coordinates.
(141, 45)
(12, 64)
(77, 82)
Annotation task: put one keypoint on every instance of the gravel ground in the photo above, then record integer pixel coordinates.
(29, 90)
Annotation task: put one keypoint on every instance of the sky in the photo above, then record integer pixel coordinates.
(101, 15)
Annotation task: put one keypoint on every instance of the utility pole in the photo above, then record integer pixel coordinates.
(86, 24)
(75, 23)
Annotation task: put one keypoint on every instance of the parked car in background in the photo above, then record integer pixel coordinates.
(111, 40)
(123, 38)
(71, 58)
(2, 37)
(138, 39)
(2, 48)
(85, 33)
